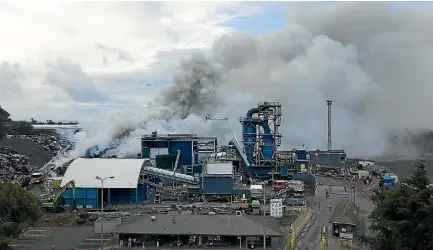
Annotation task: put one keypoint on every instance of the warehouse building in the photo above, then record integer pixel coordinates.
(124, 188)
(332, 159)
(200, 230)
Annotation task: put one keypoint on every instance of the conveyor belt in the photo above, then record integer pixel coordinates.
(170, 175)
(241, 153)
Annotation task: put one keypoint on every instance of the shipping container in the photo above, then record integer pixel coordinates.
(216, 184)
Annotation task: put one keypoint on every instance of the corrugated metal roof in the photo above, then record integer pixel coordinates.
(83, 171)
(345, 214)
(200, 225)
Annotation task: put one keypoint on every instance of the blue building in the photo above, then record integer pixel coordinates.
(191, 147)
(124, 188)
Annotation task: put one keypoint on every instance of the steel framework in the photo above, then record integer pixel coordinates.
(268, 113)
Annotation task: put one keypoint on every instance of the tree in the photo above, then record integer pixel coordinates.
(403, 217)
(18, 209)
(22, 127)
(4, 122)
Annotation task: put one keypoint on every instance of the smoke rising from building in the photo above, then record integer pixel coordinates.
(371, 59)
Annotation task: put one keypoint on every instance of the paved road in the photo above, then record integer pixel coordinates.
(337, 195)
(62, 238)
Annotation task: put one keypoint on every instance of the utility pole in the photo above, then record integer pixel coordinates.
(329, 103)
(264, 217)
(102, 207)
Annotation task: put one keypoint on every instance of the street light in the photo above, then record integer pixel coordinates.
(102, 207)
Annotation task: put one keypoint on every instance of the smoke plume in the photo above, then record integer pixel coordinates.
(371, 59)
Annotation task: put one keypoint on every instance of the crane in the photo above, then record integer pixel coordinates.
(54, 206)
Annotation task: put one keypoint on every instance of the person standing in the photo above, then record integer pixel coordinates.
(130, 242)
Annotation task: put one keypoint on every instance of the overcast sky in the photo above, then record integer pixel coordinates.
(59, 60)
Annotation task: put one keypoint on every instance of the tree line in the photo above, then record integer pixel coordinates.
(403, 215)
(11, 127)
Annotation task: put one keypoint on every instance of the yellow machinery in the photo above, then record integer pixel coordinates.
(324, 239)
(292, 237)
(54, 206)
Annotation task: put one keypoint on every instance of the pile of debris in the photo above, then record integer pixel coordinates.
(51, 142)
(11, 163)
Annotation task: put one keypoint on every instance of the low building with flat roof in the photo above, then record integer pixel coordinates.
(200, 230)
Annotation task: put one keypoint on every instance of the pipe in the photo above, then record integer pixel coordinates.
(250, 130)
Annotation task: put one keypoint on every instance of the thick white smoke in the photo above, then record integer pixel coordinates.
(369, 58)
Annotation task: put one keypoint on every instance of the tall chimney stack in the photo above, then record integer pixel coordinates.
(329, 103)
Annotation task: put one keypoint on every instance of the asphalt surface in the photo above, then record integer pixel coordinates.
(57, 238)
(312, 237)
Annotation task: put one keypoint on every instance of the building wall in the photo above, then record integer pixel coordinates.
(325, 159)
(90, 196)
(216, 184)
(83, 197)
(185, 147)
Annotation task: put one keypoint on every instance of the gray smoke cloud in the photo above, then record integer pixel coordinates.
(194, 87)
(371, 59)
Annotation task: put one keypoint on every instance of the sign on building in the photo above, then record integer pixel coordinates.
(276, 208)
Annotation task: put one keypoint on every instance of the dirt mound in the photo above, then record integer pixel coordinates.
(403, 168)
(38, 155)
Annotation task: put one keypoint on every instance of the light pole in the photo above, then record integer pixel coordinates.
(102, 207)
(264, 216)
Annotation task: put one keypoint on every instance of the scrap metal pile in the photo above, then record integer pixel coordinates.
(50, 142)
(12, 163)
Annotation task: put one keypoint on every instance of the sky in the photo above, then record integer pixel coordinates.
(134, 66)
(59, 60)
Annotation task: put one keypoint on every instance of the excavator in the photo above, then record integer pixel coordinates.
(55, 206)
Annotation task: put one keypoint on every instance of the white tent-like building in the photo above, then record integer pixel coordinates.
(124, 188)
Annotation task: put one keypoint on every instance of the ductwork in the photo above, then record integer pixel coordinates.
(250, 131)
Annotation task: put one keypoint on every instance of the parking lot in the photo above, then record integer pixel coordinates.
(61, 238)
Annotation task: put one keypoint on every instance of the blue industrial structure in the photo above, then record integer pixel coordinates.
(124, 188)
(90, 197)
(216, 184)
(192, 148)
(261, 138)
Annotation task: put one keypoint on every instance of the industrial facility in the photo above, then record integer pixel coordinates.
(187, 167)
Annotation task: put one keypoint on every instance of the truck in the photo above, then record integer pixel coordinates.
(296, 200)
(56, 206)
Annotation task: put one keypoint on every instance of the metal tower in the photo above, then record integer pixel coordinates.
(261, 137)
(329, 103)
(269, 141)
